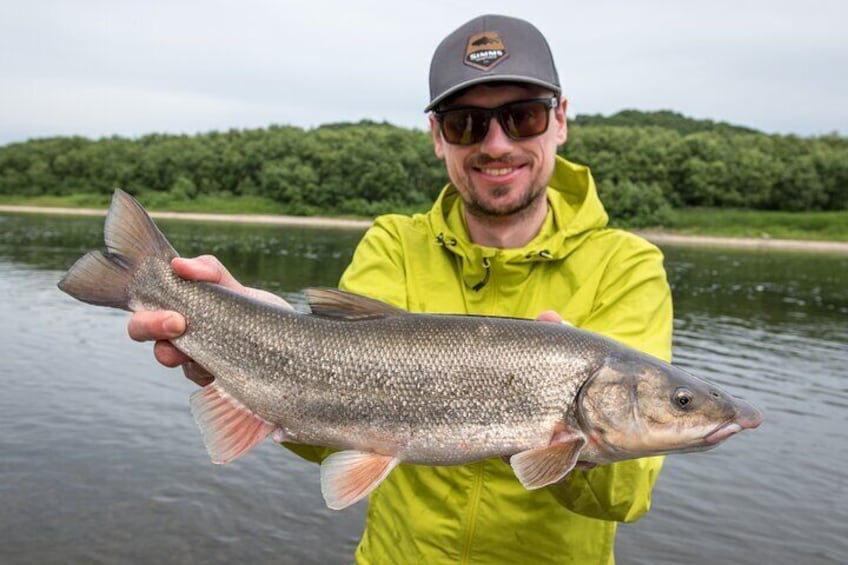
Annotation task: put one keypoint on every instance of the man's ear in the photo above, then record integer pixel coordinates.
(438, 142)
(561, 121)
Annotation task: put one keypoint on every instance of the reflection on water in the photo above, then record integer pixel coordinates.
(281, 258)
(772, 328)
(759, 288)
(103, 463)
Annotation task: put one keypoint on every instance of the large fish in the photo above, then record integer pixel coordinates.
(383, 386)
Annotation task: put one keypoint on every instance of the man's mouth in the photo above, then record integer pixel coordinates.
(499, 172)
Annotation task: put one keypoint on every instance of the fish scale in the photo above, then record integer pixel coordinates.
(382, 386)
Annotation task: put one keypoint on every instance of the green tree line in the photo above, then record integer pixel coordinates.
(644, 163)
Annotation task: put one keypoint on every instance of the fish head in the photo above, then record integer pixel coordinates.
(637, 406)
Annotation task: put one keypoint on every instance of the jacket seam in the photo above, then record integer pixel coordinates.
(474, 504)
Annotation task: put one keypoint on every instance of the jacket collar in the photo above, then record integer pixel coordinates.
(574, 210)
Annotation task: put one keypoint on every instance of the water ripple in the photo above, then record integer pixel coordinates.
(102, 462)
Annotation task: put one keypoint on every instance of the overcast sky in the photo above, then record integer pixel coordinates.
(113, 67)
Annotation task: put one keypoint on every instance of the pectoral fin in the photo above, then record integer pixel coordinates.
(349, 476)
(540, 467)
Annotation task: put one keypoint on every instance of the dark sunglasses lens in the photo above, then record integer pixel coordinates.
(520, 120)
(464, 127)
(524, 119)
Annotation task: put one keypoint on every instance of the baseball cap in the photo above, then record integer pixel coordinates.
(491, 48)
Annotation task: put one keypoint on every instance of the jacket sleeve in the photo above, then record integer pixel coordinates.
(633, 306)
(375, 271)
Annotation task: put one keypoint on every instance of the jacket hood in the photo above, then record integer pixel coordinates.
(574, 210)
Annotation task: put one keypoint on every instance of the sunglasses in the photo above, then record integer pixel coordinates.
(519, 120)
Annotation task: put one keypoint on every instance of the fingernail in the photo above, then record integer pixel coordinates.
(173, 325)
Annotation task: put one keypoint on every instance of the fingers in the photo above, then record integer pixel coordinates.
(194, 372)
(552, 316)
(161, 326)
(266, 296)
(168, 355)
(205, 268)
(209, 269)
(549, 316)
(158, 325)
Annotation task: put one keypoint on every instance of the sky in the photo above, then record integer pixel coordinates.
(129, 68)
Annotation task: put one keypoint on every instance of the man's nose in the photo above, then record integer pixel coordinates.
(496, 143)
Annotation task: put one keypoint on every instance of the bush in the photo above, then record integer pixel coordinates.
(635, 204)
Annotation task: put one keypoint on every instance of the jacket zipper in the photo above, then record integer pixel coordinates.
(476, 491)
(479, 468)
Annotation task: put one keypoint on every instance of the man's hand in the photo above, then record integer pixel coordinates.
(550, 316)
(163, 325)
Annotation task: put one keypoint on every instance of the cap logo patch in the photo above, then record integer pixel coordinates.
(485, 50)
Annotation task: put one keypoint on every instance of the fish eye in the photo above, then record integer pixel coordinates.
(683, 398)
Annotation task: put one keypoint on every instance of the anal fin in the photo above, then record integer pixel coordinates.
(349, 476)
(229, 429)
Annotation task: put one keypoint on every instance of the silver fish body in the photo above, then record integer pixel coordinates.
(430, 389)
(384, 386)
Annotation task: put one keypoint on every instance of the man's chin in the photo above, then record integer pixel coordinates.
(502, 203)
(497, 209)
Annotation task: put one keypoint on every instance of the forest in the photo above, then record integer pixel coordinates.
(645, 164)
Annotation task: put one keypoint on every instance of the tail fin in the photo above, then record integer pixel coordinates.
(103, 278)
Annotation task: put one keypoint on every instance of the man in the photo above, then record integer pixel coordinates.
(517, 232)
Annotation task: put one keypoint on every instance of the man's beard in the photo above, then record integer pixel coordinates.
(480, 209)
(477, 206)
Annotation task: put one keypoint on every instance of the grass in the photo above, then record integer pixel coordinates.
(214, 204)
(69, 201)
(826, 226)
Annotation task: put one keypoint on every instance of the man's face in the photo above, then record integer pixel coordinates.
(500, 176)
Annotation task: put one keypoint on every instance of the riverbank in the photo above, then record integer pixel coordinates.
(656, 236)
(274, 219)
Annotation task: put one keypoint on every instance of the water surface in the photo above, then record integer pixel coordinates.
(102, 463)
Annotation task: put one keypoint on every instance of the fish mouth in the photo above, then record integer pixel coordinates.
(747, 418)
(722, 432)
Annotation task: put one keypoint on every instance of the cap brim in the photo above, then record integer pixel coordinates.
(482, 80)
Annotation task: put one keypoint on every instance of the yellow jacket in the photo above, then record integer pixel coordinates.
(601, 279)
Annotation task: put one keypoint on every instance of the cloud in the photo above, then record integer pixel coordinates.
(98, 68)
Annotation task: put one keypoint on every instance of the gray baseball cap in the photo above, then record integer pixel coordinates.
(487, 49)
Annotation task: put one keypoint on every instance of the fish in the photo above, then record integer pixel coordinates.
(380, 386)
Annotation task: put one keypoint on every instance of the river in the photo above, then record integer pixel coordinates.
(101, 462)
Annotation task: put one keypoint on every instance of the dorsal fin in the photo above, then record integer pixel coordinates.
(334, 303)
